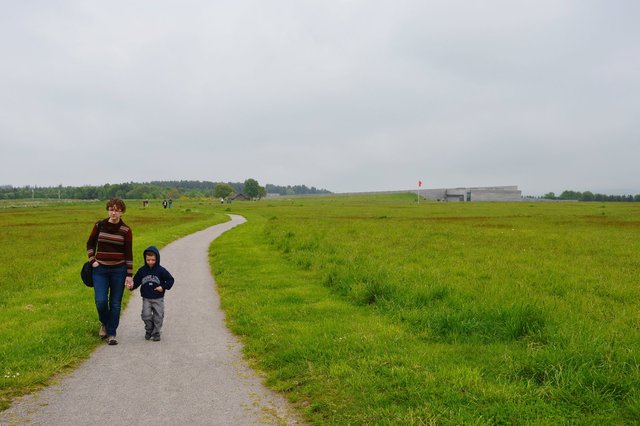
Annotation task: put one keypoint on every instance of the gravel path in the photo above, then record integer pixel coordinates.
(195, 375)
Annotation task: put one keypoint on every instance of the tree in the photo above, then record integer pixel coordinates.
(262, 192)
(223, 190)
(550, 196)
(173, 193)
(587, 196)
(194, 194)
(570, 195)
(251, 188)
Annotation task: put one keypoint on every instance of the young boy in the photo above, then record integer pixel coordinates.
(153, 281)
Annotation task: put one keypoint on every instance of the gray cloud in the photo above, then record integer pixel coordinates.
(348, 96)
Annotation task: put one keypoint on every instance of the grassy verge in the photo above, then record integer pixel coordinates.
(47, 316)
(377, 310)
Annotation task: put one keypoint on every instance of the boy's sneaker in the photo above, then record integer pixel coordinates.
(155, 337)
(111, 340)
(147, 336)
(103, 331)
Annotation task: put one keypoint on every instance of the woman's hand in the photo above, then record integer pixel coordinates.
(95, 264)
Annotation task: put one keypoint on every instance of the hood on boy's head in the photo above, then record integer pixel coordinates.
(154, 250)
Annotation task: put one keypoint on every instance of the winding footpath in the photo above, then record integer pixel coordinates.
(196, 375)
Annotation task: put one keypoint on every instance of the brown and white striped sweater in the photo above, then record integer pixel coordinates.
(114, 245)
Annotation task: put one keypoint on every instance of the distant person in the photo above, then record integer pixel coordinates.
(145, 203)
(221, 200)
(164, 203)
(170, 202)
(153, 281)
(109, 248)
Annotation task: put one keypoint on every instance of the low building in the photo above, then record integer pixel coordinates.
(464, 194)
(478, 193)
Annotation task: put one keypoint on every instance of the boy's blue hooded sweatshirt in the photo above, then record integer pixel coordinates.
(149, 278)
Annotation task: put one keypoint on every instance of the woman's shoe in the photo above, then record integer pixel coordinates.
(103, 331)
(111, 340)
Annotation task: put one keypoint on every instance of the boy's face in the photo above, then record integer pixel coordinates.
(150, 259)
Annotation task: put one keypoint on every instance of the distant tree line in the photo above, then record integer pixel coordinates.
(294, 190)
(154, 190)
(590, 196)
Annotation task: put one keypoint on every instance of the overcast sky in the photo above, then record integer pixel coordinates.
(349, 95)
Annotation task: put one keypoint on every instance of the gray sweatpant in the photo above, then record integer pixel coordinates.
(153, 315)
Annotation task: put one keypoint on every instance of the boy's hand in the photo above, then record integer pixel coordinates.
(159, 289)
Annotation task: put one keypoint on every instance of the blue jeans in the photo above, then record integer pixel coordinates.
(108, 287)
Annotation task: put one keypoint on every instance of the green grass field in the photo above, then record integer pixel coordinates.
(372, 310)
(380, 310)
(48, 321)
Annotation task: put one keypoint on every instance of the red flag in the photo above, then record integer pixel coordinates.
(419, 184)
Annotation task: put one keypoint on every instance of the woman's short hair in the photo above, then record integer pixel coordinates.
(117, 203)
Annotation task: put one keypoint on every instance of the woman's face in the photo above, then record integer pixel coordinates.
(114, 214)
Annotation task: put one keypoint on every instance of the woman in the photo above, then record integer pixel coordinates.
(109, 248)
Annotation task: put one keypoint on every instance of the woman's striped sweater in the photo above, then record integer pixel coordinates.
(114, 242)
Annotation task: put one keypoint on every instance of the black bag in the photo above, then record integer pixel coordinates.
(86, 273)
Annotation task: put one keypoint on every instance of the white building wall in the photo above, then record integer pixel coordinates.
(493, 193)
